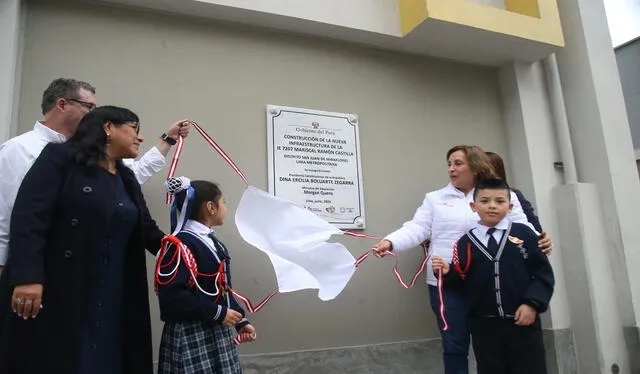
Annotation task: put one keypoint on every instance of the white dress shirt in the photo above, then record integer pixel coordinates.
(19, 153)
(202, 232)
(443, 217)
(480, 232)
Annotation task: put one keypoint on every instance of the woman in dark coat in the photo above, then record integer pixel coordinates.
(527, 208)
(73, 296)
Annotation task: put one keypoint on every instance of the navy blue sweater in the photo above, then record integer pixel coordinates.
(523, 275)
(181, 303)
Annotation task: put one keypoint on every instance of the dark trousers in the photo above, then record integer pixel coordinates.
(501, 347)
(455, 341)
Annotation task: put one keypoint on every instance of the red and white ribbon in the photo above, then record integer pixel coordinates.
(174, 165)
(247, 302)
(441, 308)
(238, 339)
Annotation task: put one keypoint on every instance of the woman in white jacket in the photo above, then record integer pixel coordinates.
(443, 217)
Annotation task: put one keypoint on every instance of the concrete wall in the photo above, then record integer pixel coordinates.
(379, 16)
(411, 111)
(628, 59)
(11, 24)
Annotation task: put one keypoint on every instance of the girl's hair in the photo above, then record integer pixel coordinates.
(477, 160)
(90, 140)
(204, 191)
(498, 165)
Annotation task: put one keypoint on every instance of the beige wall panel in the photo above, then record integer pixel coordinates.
(165, 68)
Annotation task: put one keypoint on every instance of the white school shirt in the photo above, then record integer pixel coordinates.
(480, 231)
(443, 217)
(202, 232)
(19, 153)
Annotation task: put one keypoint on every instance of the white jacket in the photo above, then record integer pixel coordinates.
(443, 217)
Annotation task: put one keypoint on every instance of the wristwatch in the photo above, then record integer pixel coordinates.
(168, 139)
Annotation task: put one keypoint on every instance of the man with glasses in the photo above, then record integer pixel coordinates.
(64, 103)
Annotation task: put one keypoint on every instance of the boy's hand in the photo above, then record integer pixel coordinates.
(525, 315)
(544, 242)
(248, 333)
(381, 248)
(232, 318)
(438, 264)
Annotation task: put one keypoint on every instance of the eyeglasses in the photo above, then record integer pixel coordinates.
(86, 104)
(135, 125)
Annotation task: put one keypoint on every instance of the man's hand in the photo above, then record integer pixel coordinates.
(179, 128)
(525, 315)
(27, 300)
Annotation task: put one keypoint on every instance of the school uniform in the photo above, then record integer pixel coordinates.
(193, 339)
(499, 269)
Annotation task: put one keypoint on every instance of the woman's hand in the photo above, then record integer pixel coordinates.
(382, 248)
(438, 264)
(27, 300)
(544, 242)
(248, 333)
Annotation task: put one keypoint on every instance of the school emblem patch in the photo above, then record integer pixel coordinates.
(519, 243)
(515, 240)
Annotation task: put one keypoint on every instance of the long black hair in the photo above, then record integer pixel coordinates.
(204, 191)
(90, 140)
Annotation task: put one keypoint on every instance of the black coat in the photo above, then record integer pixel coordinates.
(59, 213)
(528, 210)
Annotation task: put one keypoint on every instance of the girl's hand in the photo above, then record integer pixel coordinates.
(248, 333)
(232, 318)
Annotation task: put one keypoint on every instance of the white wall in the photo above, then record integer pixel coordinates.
(411, 111)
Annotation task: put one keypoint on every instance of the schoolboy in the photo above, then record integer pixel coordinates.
(508, 282)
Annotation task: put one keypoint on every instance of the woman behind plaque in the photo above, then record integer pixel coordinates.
(73, 296)
(443, 217)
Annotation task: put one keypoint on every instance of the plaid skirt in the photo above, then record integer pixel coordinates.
(197, 348)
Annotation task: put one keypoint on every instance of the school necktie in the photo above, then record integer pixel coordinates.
(492, 245)
(222, 250)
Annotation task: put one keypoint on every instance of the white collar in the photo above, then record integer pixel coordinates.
(197, 227)
(48, 133)
(502, 225)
